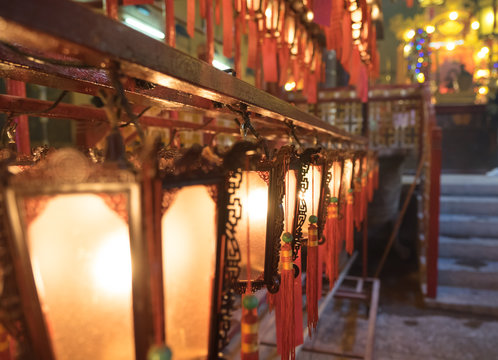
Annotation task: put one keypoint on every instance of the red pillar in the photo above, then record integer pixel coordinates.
(111, 8)
(433, 241)
(18, 88)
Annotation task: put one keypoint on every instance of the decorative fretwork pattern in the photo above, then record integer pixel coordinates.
(232, 258)
(300, 217)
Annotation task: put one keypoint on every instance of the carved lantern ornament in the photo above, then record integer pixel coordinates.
(255, 216)
(195, 212)
(78, 260)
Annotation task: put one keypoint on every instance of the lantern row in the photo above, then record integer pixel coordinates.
(110, 263)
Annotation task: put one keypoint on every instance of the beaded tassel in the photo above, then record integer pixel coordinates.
(286, 296)
(333, 235)
(249, 328)
(312, 275)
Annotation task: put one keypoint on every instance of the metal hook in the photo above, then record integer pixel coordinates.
(292, 130)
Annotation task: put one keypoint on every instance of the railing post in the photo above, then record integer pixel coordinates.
(435, 189)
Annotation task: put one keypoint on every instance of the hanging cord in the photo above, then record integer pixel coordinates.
(247, 126)
(292, 131)
(123, 101)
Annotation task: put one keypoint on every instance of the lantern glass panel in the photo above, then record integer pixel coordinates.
(253, 195)
(486, 18)
(189, 245)
(335, 181)
(290, 199)
(290, 29)
(78, 245)
(312, 194)
(348, 173)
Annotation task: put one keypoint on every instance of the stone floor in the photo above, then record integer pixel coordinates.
(405, 330)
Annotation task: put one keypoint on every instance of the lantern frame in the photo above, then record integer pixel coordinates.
(43, 180)
(235, 162)
(193, 169)
(308, 157)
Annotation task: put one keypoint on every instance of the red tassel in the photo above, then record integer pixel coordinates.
(202, 8)
(209, 31)
(191, 18)
(376, 176)
(252, 45)
(312, 276)
(333, 236)
(270, 71)
(298, 305)
(364, 197)
(170, 23)
(227, 28)
(249, 328)
(286, 295)
(218, 11)
(349, 222)
(409, 3)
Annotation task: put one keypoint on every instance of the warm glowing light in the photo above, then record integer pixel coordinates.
(483, 90)
(484, 50)
(254, 212)
(80, 251)
(188, 249)
(409, 34)
(489, 18)
(219, 65)
(420, 60)
(453, 15)
(430, 29)
(356, 26)
(312, 194)
(375, 12)
(112, 265)
(407, 49)
(475, 25)
(482, 73)
(310, 16)
(356, 16)
(144, 28)
(420, 77)
(356, 33)
(289, 86)
(450, 46)
(268, 12)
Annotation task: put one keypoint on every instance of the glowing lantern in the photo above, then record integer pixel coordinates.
(487, 23)
(290, 29)
(193, 225)
(274, 17)
(257, 185)
(77, 233)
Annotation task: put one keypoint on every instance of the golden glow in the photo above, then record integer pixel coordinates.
(188, 249)
(450, 46)
(310, 16)
(489, 17)
(482, 73)
(356, 33)
(335, 181)
(375, 12)
(356, 16)
(348, 174)
(268, 12)
(409, 34)
(453, 15)
(484, 50)
(430, 29)
(254, 213)
(420, 60)
(475, 25)
(407, 49)
(483, 90)
(112, 266)
(74, 245)
(289, 199)
(420, 77)
(289, 86)
(356, 26)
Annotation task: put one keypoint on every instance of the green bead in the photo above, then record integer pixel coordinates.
(333, 199)
(250, 302)
(350, 191)
(161, 352)
(313, 219)
(286, 237)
